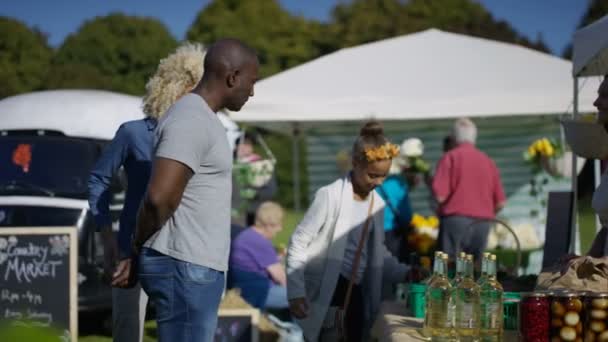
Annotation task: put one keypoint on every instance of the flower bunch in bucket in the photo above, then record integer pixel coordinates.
(541, 152)
(423, 236)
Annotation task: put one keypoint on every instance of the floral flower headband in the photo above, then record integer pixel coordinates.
(382, 152)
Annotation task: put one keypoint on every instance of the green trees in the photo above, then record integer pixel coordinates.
(597, 9)
(115, 52)
(363, 21)
(24, 58)
(119, 52)
(281, 39)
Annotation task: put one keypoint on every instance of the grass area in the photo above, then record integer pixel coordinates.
(292, 218)
(149, 331)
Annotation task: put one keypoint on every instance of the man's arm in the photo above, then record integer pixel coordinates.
(499, 193)
(440, 184)
(164, 193)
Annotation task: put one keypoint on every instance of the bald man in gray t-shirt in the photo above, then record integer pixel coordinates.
(183, 225)
(199, 231)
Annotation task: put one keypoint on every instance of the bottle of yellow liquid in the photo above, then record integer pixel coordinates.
(460, 260)
(437, 323)
(491, 305)
(484, 269)
(466, 301)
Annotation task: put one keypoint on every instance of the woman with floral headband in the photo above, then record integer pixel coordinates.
(336, 260)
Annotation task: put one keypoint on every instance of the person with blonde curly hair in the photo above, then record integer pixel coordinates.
(131, 148)
(176, 75)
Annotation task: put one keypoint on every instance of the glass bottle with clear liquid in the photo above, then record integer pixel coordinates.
(466, 297)
(437, 324)
(484, 269)
(491, 305)
(460, 260)
(436, 271)
(426, 330)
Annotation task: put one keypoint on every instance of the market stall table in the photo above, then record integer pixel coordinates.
(393, 324)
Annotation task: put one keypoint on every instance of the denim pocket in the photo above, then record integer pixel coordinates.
(200, 274)
(160, 265)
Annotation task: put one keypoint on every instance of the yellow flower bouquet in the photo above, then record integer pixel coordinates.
(541, 151)
(423, 236)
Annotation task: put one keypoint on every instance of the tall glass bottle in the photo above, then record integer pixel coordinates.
(436, 321)
(466, 301)
(460, 260)
(484, 269)
(436, 268)
(491, 305)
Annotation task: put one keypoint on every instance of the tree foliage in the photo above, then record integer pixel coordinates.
(363, 21)
(24, 57)
(596, 10)
(281, 39)
(115, 52)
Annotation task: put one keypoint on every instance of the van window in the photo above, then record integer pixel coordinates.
(46, 165)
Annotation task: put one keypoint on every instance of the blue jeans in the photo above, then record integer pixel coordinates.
(277, 297)
(186, 296)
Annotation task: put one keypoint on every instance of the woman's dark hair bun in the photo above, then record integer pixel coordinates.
(372, 129)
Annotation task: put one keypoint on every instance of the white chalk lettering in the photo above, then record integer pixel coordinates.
(44, 318)
(8, 314)
(33, 298)
(30, 250)
(27, 271)
(8, 296)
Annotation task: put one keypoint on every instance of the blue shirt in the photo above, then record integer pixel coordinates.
(395, 192)
(131, 148)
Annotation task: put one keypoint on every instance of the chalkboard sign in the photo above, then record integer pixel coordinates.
(38, 278)
(237, 325)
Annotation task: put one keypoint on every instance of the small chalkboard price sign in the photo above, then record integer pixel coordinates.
(237, 325)
(38, 278)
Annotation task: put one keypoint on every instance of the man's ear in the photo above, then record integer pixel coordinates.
(231, 79)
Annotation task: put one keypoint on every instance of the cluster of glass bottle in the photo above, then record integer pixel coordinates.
(462, 309)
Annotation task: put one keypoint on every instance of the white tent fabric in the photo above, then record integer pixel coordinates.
(426, 75)
(590, 49)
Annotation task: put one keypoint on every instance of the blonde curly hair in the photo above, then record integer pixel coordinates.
(176, 75)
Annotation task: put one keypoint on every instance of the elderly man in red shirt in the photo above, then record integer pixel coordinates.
(467, 187)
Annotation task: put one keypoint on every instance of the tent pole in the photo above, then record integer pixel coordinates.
(296, 167)
(574, 218)
(598, 178)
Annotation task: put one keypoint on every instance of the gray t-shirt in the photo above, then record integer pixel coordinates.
(199, 230)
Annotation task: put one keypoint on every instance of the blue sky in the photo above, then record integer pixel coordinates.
(556, 20)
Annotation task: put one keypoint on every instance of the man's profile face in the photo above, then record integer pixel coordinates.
(601, 103)
(243, 88)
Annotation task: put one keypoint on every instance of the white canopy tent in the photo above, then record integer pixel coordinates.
(590, 58)
(426, 75)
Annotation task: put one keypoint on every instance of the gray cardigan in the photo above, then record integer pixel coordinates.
(316, 251)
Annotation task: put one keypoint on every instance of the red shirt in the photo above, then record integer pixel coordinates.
(469, 183)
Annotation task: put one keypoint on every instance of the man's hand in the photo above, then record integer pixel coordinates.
(298, 307)
(110, 252)
(121, 276)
